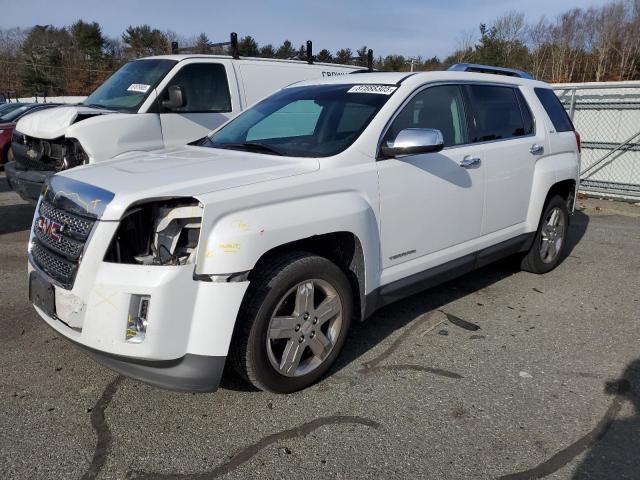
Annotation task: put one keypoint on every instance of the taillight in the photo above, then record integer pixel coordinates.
(578, 140)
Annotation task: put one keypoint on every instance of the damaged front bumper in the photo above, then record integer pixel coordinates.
(189, 322)
(26, 183)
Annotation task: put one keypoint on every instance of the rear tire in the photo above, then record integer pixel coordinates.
(292, 324)
(550, 240)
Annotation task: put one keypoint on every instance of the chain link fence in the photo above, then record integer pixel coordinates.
(607, 116)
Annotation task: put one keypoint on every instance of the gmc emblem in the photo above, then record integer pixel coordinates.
(49, 228)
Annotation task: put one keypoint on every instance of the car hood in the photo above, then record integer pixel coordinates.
(186, 171)
(50, 123)
(7, 125)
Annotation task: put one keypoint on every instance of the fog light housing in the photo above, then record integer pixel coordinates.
(137, 319)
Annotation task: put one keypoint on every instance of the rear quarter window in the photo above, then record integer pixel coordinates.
(555, 110)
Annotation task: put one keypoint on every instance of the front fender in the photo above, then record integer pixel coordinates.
(238, 240)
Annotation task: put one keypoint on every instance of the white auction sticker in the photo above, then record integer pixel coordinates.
(380, 89)
(138, 87)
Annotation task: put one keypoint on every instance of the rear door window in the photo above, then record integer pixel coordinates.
(497, 113)
(204, 86)
(555, 110)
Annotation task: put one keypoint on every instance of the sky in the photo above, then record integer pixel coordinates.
(408, 27)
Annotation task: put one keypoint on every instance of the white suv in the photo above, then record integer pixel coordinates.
(315, 207)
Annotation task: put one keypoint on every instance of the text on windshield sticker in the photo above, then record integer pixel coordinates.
(379, 89)
(138, 87)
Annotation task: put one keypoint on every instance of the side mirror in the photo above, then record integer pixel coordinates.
(176, 98)
(411, 141)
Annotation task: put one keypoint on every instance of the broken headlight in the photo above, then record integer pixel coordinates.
(164, 232)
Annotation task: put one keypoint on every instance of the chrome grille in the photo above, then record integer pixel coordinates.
(73, 223)
(57, 268)
(59, 238)
(66, 246)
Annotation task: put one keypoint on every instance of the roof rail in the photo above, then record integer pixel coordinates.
(474, 67)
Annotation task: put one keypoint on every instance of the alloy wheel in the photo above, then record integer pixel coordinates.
(552, 235)
(304, 327)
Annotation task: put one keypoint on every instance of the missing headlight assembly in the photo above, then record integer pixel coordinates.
(162, 232)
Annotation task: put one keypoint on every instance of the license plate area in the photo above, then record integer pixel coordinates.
(41, 293)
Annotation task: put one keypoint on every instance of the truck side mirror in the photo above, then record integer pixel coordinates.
(176, 98)
(412, 141)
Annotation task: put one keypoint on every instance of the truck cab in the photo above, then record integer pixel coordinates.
(148, 104)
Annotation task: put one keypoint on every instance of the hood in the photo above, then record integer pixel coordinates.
(186, 171)
(50, 123)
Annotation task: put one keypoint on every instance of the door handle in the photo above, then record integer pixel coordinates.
(536, 149)
(470, 162)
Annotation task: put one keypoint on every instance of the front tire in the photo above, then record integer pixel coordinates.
(293, 323)
(548, 246)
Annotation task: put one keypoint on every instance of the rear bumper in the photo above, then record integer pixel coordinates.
(26, 183)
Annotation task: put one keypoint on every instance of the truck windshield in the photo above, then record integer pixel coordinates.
(312, 121)
(126, 89)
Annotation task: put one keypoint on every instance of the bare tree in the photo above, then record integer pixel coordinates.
(537, 39)
(628, 47)
(11, 41)
(510, 29)
(464, 46)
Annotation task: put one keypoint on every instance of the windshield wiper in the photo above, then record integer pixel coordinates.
(251, 146)
(95, 105)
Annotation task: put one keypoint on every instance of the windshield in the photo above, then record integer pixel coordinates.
(8, 107)
(126, 89)
(314, 121)
(14, 114)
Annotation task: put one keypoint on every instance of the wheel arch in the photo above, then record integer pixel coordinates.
(341, 227)
(565, 189)
(555, 174)
(342, 248)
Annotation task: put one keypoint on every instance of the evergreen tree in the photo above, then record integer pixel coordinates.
(143, 41)
(285, 50)
(343, 56)
(267, 51)
(203, 44)
(248, 47)
(361, 54)
(324, 55)
(42, 50)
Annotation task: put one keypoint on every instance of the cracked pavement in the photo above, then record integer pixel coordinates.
(498, 374)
